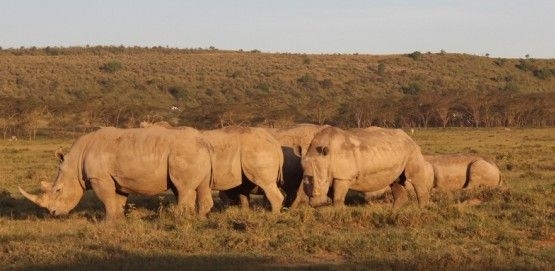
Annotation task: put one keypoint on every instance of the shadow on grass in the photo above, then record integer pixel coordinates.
(19, 208)
(117, 259)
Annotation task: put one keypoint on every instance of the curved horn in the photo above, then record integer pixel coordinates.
(38, 200)
(31, 197)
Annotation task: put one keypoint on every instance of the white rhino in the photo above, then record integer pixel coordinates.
(246, 157)
(364, 160)
(294, 142)
(457, 171)
(115, 162)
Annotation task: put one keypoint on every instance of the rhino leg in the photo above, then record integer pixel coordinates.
(274, 196)
(187, 200)
(400, 195)
(121, 200)
(106, 192)
(298, 198)
(420, 174)
(186, 194)
(340, 189)
(204, 198)
(244, 200)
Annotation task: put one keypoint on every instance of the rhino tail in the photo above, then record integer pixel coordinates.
(212, 165)
(280, 173)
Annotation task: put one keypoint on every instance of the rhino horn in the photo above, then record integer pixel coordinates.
(34, 198)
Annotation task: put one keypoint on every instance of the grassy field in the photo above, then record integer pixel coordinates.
(508, 228)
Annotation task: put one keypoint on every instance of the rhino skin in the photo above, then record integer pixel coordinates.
(294, 140)
(246, 157)
(365, 160)
(115, 162)
(457, 171)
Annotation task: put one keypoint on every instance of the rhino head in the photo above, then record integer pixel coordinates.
(317, 178)
(64, 194)
(332, 155)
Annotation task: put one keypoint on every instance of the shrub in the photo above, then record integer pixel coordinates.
(326, 83)
(178, 93)
(511, 86)
(381, 69)
(52, 51)
(544, 73)
(413, 88)
(263, 86)
(500, 61)
(111, 67)
(307, 81)
(525, 65)
(416, 55)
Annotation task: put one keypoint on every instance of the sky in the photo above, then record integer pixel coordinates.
(500, 28)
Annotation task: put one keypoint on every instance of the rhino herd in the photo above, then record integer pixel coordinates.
(302, 163)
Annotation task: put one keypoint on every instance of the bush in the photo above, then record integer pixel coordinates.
(511, 86)
(416, 55)
(111, 67)
(326, 83)
(178, 93)
(525, 65)
(544, 73)
(381, 69)
(307, 81)
(413, 88)
(263, 86)
(500, 62)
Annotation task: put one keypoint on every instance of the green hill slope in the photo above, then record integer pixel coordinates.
(86, 87)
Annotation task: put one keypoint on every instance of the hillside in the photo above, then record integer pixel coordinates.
(81, 88)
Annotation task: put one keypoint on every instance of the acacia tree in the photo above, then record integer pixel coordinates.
(360, 110)
(7, 123)
(473, 103)
(442, 108)
(30, 122)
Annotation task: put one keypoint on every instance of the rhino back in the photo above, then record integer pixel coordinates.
(261, 156)
(227, 163)
(456, 171)
(384, 154)
(138, 160)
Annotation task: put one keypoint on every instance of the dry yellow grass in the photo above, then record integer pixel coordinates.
(491, 228)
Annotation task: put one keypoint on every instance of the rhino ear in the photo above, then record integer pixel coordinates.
(46, 186)
(59, 154)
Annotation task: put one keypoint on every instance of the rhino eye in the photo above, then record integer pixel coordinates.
(58, 190)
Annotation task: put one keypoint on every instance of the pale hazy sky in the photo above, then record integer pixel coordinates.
(502, 28)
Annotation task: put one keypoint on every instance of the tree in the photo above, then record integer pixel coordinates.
(416, 55)
(359, 110)
(443, 108)
(31, 121)
(7, 123)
